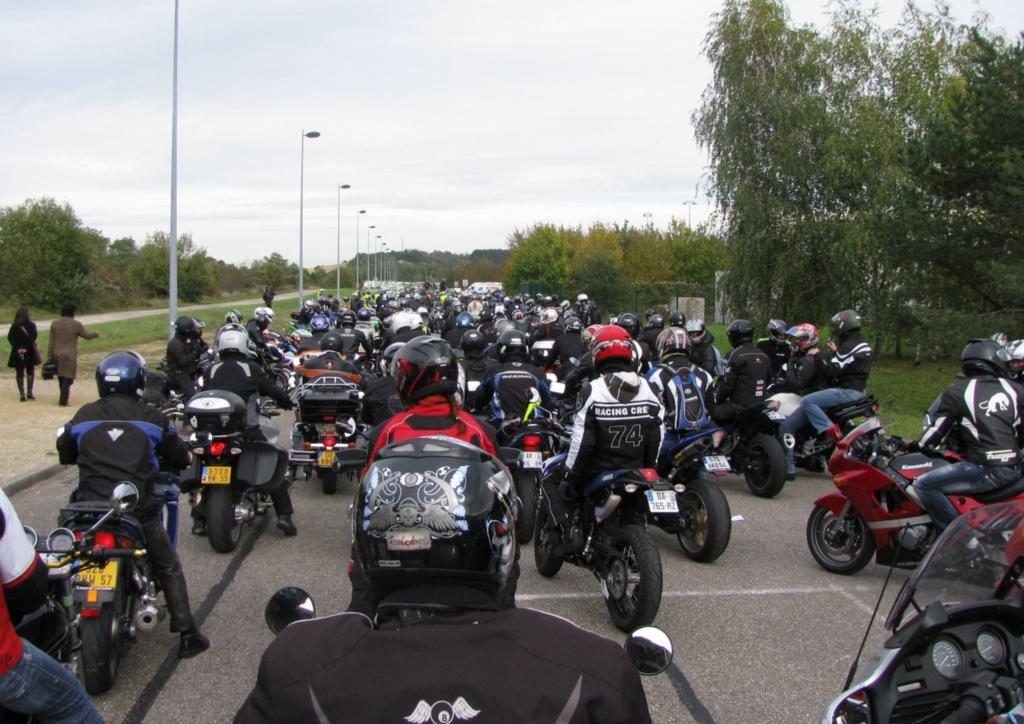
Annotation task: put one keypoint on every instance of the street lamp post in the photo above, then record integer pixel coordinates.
(369, 257)
(648, 215)
(302, 178)
(689, 212)
(337, 267)
(361, 211)
(172, 246)
(384, 258)
(376, 256)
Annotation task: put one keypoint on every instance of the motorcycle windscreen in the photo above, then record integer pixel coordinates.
(262, 465)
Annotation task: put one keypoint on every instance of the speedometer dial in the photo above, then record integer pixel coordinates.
(991, 648)
(947, 659)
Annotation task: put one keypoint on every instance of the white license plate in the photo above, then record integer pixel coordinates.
(774, 415)
(717, 464)
(531, 460)
(662, 501)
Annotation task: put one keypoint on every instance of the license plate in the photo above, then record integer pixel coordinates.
(216, 475)
(326, 459)
(102, 578)
(531, 460)
(774, 415)
(662, 501)
(717, 464)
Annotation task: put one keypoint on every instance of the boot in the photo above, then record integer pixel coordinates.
(192, 644)
(834, 432)
(31, 381)
(285, 525)
(21, 389)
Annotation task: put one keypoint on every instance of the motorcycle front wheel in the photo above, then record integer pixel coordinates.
(222, 528)
(705, 521)
(633, 582)
(842, 545)
(765, 466)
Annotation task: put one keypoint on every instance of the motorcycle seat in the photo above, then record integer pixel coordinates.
(857, 408)
(1004, 493)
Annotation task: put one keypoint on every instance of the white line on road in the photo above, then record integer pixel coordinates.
(790, 591)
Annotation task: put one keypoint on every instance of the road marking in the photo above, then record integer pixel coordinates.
(787, 591)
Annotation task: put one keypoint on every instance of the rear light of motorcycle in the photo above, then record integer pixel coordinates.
(123, 542)
(328, 418)
(531, 443)
(650, 474)
(91, 612)
(217, 448)
(330, 442)
(105, 539)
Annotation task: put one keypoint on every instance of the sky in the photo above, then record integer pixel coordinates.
(453, 121)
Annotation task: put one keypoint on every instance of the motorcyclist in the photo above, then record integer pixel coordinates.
(569, 347)
(848, 371)
(475, 365)
(331, 360)
(454, 335)
(776, 346)
(747, 374)
(584, 369)
(183, 352)
(618, 425)
(683, 388)
(260, 322)
(631, 323)
(655, 324)
(547, 326)
(677, 319)
(587, 311)
(120, 438)
(53, 694)
(378, 391)
(351, 340)
(806, 370)
(702, 346)
(452, 652)
(983, 414)
(403, 327)
(1015, 350)
(512, 387)
(305, 313)
(235, 373)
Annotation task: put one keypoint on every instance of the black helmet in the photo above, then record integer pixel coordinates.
(573, 324)
(473, 342)
(845, 321)
(740, 331)
(332, 341)
(629, 322)
(388, 356)
(121, 373)
(777, 330)
(347, 318)
(984, 357)
(425, 366)
(656, 321)
(435, 510)
(185, 326)
(512, 345)
(677, 319)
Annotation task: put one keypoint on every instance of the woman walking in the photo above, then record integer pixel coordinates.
(24, 353)
(64, 334)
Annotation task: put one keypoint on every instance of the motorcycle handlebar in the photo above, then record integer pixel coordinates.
(971, 710)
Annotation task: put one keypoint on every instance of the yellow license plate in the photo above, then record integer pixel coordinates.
(216, 475)
(104, 578)
(326, 459)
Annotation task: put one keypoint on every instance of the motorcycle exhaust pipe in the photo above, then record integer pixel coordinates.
(148, 617)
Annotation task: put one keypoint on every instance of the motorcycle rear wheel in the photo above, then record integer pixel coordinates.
(850, 548)
(633, 583)
(526, 488)
(328, 480)
(705, 521)
(223, 530)
(102, 640)
(765, 466)
(548, 564)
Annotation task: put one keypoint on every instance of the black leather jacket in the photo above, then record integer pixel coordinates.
(746, 378)
(986, 415)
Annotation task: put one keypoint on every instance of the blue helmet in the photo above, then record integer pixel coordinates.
(320, 323)
(364, 314)
(464, 320)
(121, 373)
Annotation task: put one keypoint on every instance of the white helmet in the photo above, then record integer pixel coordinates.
(404, 320)
(1016, 350)
(582, 297)
(264, 313)
(233, 340)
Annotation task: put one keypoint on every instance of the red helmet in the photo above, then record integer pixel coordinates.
(589, 332)
(612, 343)
(803, 335)
(671, 342)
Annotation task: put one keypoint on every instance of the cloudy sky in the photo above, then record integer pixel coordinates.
(454, 121)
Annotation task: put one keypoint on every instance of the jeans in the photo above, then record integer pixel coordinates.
(40, 686)
(810, 411)
(930, 486)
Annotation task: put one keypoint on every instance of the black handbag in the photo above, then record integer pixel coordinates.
(49, 370)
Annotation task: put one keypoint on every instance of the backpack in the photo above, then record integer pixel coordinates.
(691, 413)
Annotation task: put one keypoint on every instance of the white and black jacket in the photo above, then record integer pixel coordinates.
(618, 426)
(850, 366)
(987, 412)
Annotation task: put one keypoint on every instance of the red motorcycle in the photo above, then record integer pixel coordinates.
(875, 509)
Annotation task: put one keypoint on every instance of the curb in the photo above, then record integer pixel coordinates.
(27, 480)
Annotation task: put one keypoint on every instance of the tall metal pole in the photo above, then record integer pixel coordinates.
(369, 258)
(172, 245)
(337, 263)
(361, 211)
(302, 179)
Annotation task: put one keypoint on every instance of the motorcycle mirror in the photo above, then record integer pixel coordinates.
(650, 650)
(124, 498)
(288, 605)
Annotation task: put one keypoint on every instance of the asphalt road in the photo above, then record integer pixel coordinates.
(763, 634)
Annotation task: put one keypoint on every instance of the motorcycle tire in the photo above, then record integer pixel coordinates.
(765, 466)
(526, 488)
(544, 557)
(328, 480)
(632, 584)
(223, 530)
(102, 641)
(848, 551)
(705, 521)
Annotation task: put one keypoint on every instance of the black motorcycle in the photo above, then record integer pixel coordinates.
(327, 436)
(752, 445)
(234, 474)
(809, 450)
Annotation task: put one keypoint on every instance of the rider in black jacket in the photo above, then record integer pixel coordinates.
(120, 438)
(513, 384)
(183, 351)
(985, 415)
(776, 346)
(806, 369)
(569, 347)
(747, 374)
(450, 651)
(379, 391)
(702, 346)
(350, 341)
